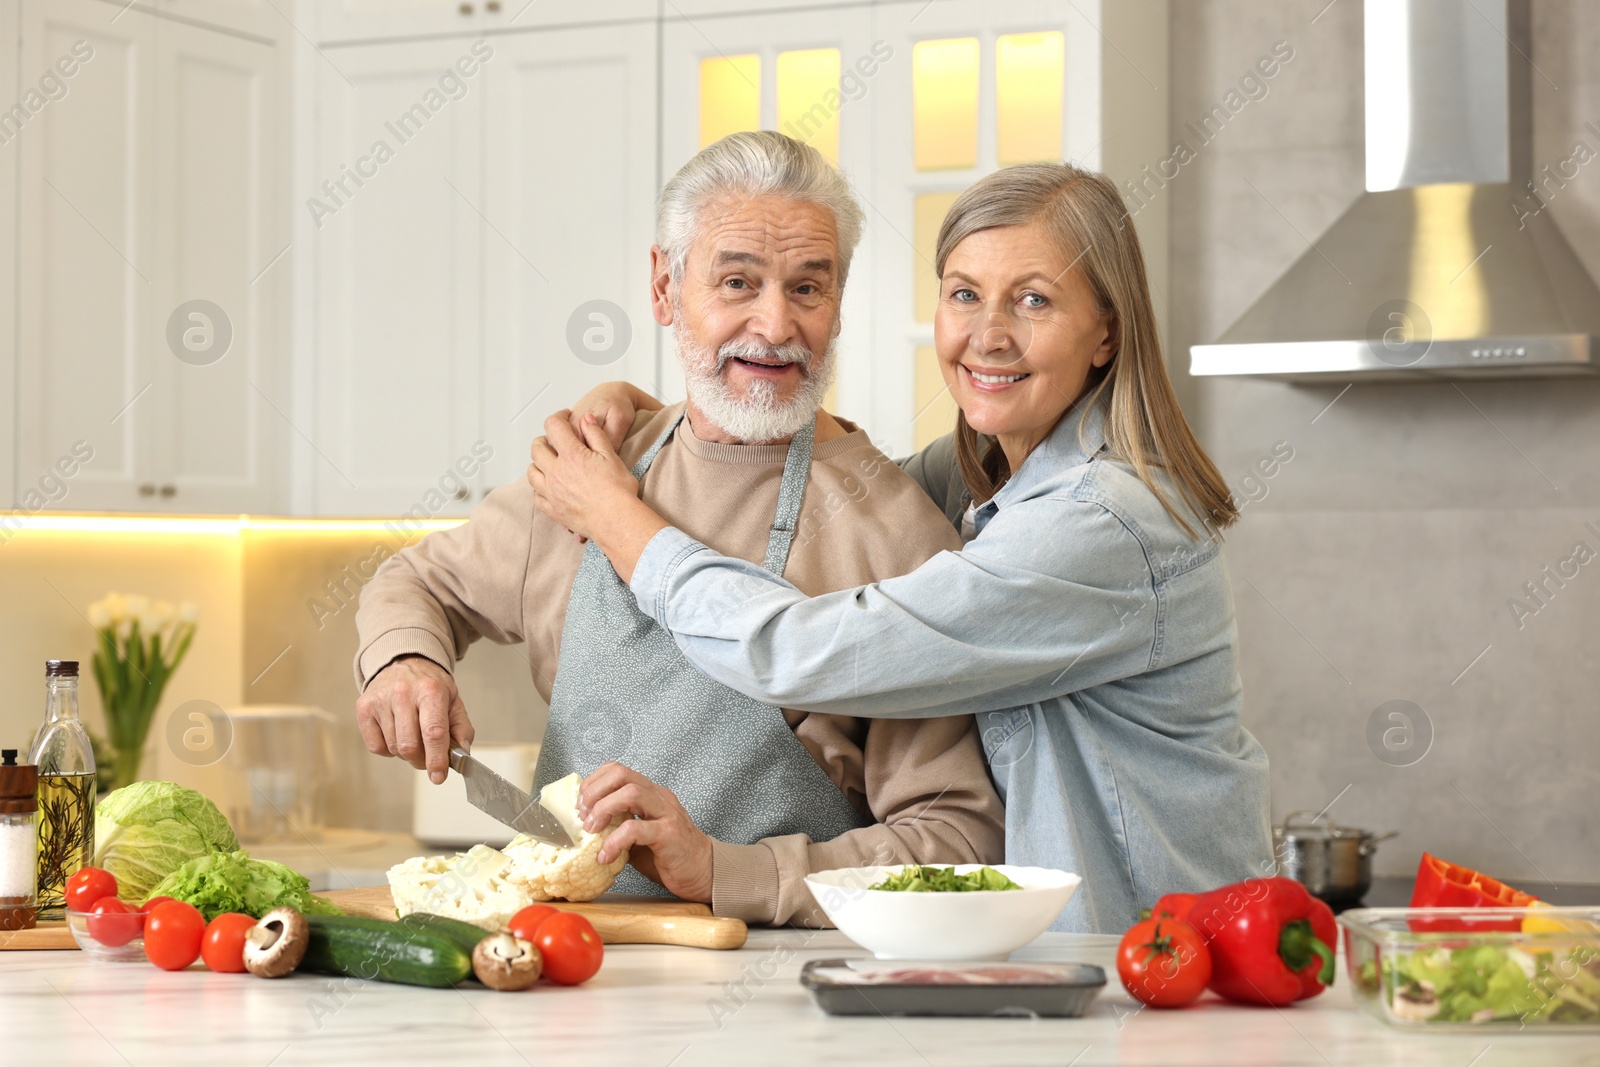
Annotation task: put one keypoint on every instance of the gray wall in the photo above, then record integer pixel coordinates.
(1381, 561)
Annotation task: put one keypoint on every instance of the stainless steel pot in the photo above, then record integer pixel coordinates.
(1334, 862)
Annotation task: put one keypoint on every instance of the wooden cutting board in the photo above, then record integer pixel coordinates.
(618, 919)
(47, 935)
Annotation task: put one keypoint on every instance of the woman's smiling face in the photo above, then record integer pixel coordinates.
(1017, 331)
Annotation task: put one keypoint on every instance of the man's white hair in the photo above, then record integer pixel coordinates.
(753, 163)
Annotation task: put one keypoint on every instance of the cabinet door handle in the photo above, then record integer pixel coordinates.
(465, 9)
(492, 6)
(169, 490)
(147, 489)
(462, 493)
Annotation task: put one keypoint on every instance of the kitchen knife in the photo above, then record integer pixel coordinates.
(502, 801)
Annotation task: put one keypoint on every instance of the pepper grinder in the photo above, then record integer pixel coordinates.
(19, 842)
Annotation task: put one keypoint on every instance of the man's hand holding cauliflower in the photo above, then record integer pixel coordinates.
(487, 886)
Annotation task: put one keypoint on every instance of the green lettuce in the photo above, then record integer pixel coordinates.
(915, 879)
(232, 881)
(145, 831)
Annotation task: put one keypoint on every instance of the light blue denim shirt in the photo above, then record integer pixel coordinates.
(1094, 639)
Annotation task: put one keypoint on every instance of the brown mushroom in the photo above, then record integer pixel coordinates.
(505, 962)
(276, 945)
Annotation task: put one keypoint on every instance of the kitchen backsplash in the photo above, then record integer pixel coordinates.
(1386, 561)
(271, 632)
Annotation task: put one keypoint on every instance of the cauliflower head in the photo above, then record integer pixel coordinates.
(473, 886)
(545, 872)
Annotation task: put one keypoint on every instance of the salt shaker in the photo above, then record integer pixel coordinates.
(19, 842)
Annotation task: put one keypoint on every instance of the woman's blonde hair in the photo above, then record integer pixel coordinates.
(1144, 426)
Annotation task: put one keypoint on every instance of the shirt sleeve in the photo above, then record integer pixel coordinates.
(929, 791)
(1056, 595)
(436, 597)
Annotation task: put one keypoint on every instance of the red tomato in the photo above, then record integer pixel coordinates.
(113, 923)
(87, 886)
(525, 923)
(152, 902)
(1164, 962)
(571, 949)
(172, 934)
(223, 945)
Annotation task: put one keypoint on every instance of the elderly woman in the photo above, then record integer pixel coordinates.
(1088, 617)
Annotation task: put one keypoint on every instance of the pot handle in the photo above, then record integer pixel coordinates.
(1306, 818)
(1370, 845)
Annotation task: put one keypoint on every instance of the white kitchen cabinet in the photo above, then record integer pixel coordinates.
(446, 279)
(399, 240)
(10, 89)
(340, 21)
(149, 183)
(570, 185)
(254, 18)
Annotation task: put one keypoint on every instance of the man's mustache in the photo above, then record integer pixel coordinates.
(756, 352)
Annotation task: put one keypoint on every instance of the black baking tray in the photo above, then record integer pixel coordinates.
(993, 989)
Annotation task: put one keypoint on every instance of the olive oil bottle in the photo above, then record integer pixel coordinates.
(65, 759)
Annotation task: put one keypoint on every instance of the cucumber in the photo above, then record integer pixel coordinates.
(462, 933)
(376, 949)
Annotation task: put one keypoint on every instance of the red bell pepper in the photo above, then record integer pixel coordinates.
(1271, 941)
(1447, 885)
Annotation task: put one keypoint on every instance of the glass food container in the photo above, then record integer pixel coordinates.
(1448, 968)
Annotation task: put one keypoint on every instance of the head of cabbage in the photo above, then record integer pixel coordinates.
(145, 831)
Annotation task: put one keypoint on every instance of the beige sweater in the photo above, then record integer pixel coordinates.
(506, 575)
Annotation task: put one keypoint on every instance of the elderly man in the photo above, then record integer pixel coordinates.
(733, 804)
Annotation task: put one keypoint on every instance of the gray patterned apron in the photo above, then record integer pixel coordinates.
(624, 692)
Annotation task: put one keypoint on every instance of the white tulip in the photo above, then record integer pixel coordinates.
(116, 606)
(99, 615)
(189, 612)
(138, 608)
(160, 613)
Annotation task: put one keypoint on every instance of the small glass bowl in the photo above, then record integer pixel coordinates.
(78, 922)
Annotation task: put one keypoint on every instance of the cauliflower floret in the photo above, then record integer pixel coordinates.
(473, 886)
(545, 872)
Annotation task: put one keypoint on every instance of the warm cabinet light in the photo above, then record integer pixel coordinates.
(809, 99)
(1029, 75)
(730, 96)
(16, 521)
(944, 102)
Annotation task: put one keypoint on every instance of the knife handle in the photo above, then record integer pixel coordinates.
(458, 756)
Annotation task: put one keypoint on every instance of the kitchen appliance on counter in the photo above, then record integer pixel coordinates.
(442, 816)
(1334, 862)
(274, 777)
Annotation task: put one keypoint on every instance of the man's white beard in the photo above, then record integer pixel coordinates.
(759, 417)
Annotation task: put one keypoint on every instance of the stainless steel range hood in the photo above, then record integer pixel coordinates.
(1449, 266)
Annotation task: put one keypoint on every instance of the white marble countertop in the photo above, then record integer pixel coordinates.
(652, 1007)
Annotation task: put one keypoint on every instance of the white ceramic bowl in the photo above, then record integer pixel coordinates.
(942, 926)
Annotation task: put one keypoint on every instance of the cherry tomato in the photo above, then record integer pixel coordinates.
(571, 949)
(222, 947)
(152, 902)
(87, 886)
(172, 934)
(525, 923)
(1164, 962)
(113, 923)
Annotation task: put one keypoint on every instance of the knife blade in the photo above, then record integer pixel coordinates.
(504, 802)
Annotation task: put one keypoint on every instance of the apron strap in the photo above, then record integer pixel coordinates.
(791, 494)
(649, 457)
